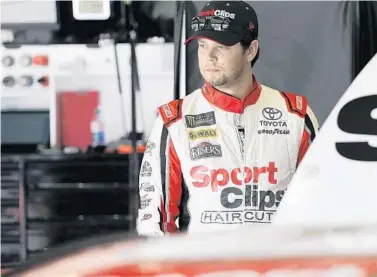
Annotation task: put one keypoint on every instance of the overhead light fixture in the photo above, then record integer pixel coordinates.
(91, 9)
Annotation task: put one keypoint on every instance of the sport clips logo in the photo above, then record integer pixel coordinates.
(221, 13)
(239, 193)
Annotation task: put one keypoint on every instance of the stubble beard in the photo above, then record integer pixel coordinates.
(218, 80)
(223, 80)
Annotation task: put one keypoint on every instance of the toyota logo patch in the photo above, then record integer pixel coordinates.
(271, 113)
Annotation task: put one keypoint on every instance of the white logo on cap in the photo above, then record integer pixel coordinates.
(224, 13)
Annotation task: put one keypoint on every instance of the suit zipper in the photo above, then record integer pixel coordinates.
(241, 136)
(244, 161)
(241, 141)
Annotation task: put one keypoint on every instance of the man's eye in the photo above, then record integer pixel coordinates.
(201, 45)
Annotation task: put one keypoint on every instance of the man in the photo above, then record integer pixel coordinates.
(223, 156)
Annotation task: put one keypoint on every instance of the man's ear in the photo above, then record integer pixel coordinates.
(252, 50)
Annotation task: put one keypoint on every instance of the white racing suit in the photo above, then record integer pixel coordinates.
(215, 162)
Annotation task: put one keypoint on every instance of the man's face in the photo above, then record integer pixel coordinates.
(219, 64)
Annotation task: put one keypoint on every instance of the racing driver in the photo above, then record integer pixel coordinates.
(222, 157)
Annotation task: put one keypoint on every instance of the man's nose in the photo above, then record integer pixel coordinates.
(212, 55)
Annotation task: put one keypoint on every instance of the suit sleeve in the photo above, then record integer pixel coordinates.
(159, 184)
(311, 128)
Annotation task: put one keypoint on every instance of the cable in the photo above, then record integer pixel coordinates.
(120, 88)
(178, 26)
(135, 85)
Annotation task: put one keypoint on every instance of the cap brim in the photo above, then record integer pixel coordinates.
(224, 38)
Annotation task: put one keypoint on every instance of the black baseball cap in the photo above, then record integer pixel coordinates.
(241, 15)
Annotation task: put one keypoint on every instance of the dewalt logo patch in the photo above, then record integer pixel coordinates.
(202, 133)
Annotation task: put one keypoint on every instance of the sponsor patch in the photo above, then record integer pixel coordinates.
(271, 113)
(147, 187)
(149, 147)
(167, 111)
(236, 217)
(272, 122)
(205, 150)
(274, 132)
(146, 169)
(144, 202)
(198, 120)
(299, 102)
(146, 217)
(220, 13)
(202, 133)
(242, 199)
